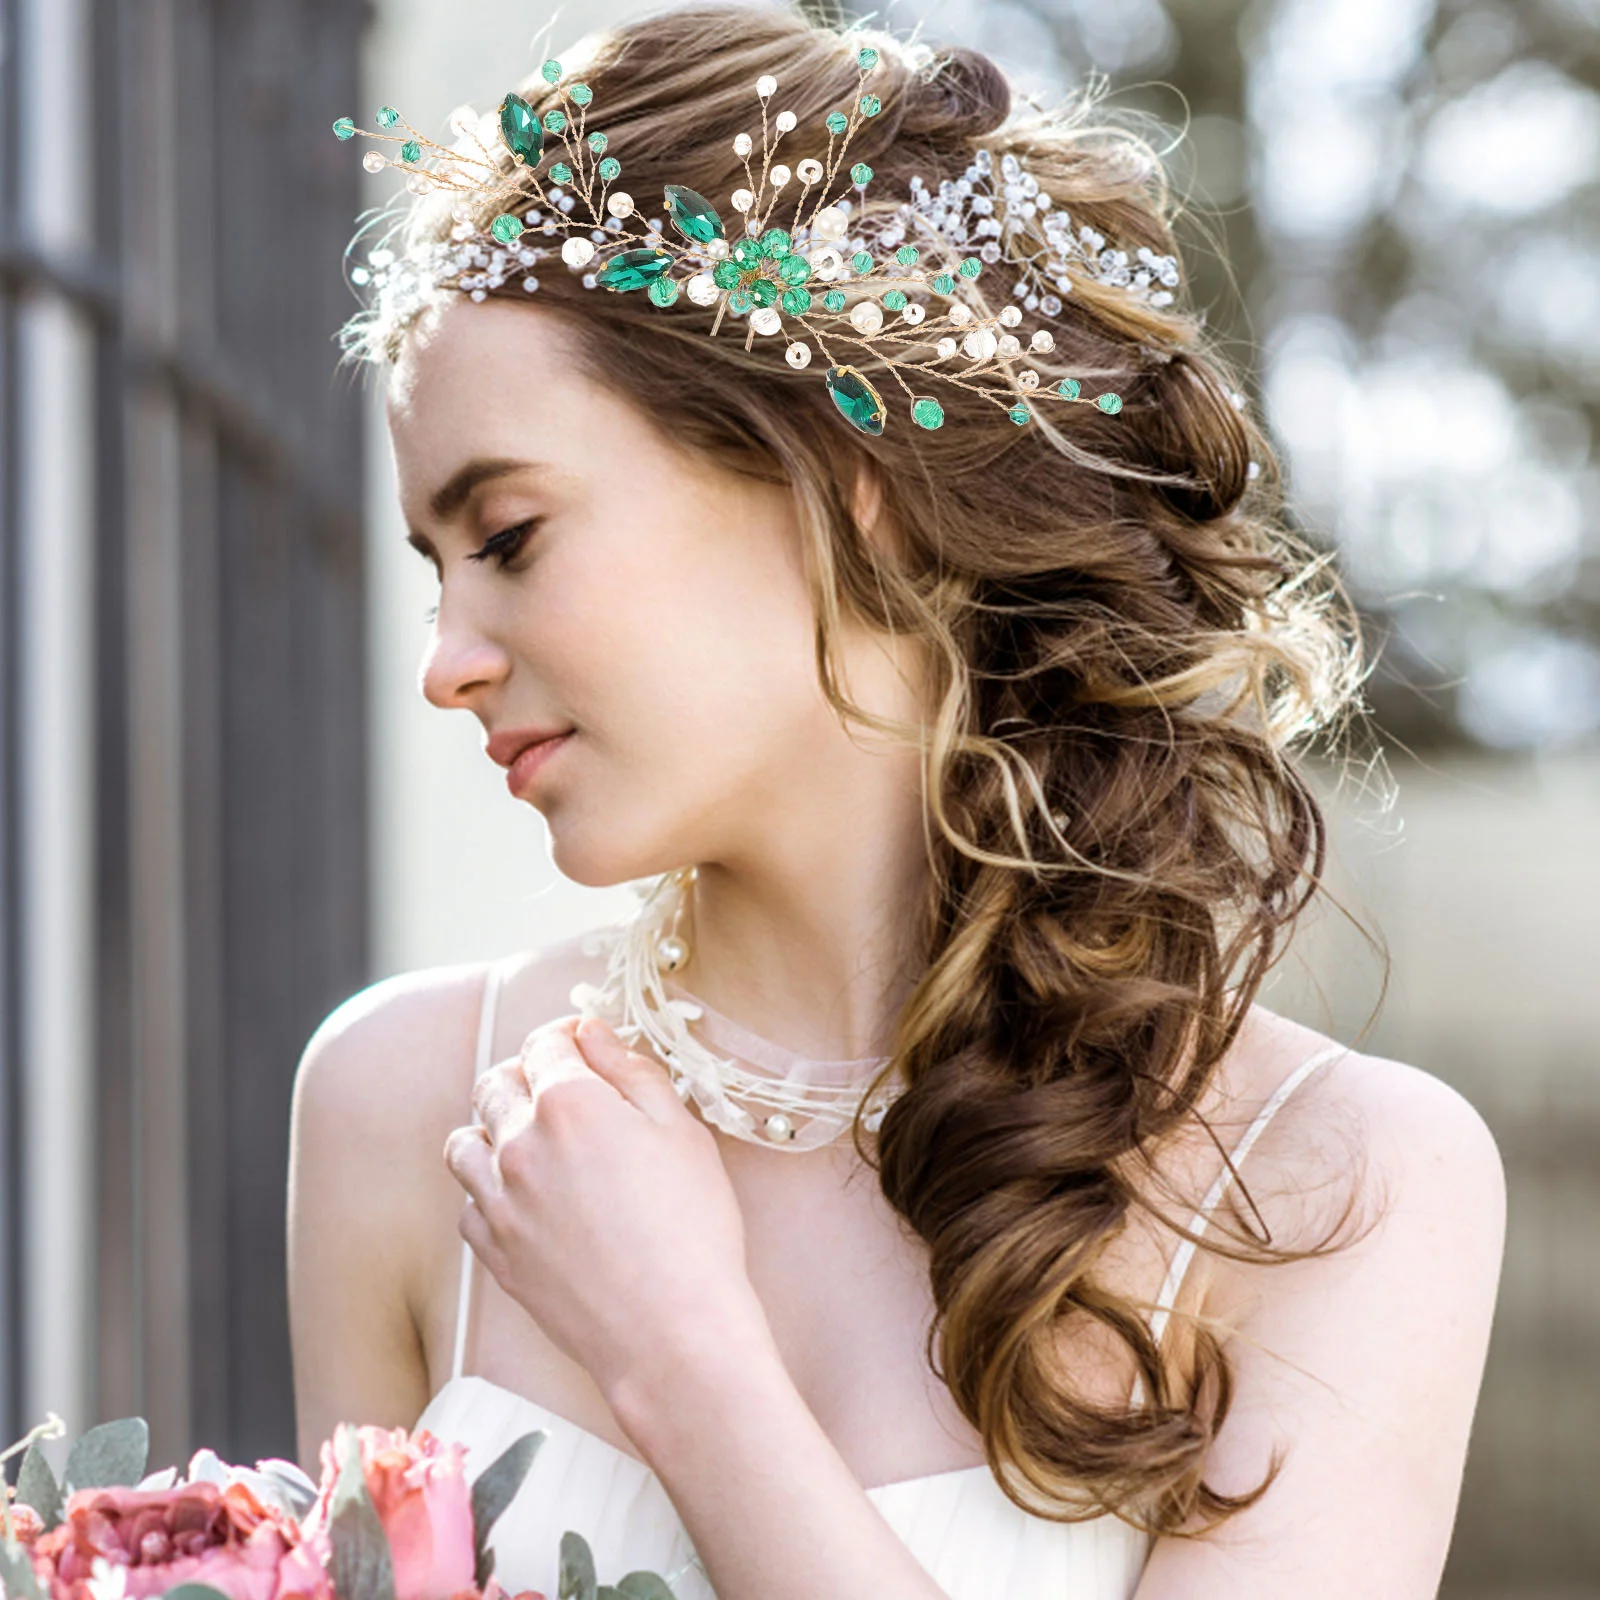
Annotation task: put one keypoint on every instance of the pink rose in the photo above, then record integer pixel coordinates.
(419, 1486)
(191, 1533)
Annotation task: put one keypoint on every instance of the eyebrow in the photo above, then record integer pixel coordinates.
(457, 489)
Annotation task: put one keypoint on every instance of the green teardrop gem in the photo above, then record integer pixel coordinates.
(795, 301)
(581, 94)
(726, 274)
(943, 283)
(858, 402)
(520, 129)
(344, 128)
(555, 121)
(610, 168)
(837, 122)
(692, 214)
(834, 299)
(1111, 404)
(550, 71)
(1070, 387)
(663, 291)
(794, 269)
(561, 172)
(633, 269)
(775, 244)
(506, 228)
(927, 413)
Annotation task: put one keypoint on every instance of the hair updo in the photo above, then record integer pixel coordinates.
(1124, 644)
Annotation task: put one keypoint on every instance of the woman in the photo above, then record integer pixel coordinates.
(954, 761)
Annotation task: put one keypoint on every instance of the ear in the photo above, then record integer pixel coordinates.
(869, 508)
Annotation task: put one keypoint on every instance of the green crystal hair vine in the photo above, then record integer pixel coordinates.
(895, 287)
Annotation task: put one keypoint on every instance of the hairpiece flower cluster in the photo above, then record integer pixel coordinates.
(802, 263)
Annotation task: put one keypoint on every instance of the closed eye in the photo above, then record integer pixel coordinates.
(504, 546)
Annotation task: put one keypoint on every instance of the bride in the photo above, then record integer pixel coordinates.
(912, 1199)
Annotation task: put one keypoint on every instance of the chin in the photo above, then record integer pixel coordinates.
(593, 855)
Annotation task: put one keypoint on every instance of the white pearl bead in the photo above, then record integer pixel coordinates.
(829, 223)
(742, 199)
(779, 1128)
(1010, 344)
(786, 121)
(1042, 340)
(716, 248)
(778, 176)
(960, 313)
(766, 86)
(945, 349)
(672, 952)
(798, 355)
(577, 252)
(373, 161)
(702, 290)
(620, 204)
(866, 316)
(980, 344)
(741, 145)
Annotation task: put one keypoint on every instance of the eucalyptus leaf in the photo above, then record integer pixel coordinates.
(37, 1486)
(110, 1456)
(194, 1591)
(577, 1569)
(494, 1489)
(17, 1574)
(643, 1585)
(362, 1567)
(606, 1592)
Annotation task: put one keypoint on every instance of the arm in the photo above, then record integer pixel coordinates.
(1362, 1368)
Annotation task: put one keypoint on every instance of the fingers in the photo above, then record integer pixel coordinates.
(549, 1056)
(639, 1079)
(470, 1158)
(502, 1099)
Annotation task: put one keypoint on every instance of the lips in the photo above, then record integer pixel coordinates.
(506, 746)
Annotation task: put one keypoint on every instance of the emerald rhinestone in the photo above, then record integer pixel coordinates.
(837, 122)
(765, 291)
(927, 413)
(609, 168)
(906, 255)
(867, 60)
(871, 105)
(944, 284)
(856, 399)
(1111, 404)
(663, 291)
(970, 268)
(692, 215)
(581, 94)
(795, 301)
(740, 302)
(794, 269)
(387, 116)
(506, 228)
(1019, 414)
(747, 252)
(411, 151)
(861, 173)
(834, 299)
(1070, 387)
(520, 129)
(555, 121)
(894, 301)
(633, 269)
(550, 71)
(725, 274)
(775, 244)
(561, 172)
(862, 262)
(597, 141)
(344, 128)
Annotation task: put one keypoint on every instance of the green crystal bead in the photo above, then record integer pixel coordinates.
(775, 243)
(610, 168)
(894, 300)
(858, 402)
(834, 299)
(344, 128)
(520, 129)
(740, 301)
(794, 270)
(927, 413)
(692, 215)
(663, 291)
(597, 141)
(867, 59)
(906, 255)
(561, 172)
(550, 71)
(871, 105)
(795, 301)
(581, 94)
(555, 121)
(1109, 403)
(411, 151)
(970, 268)
(633, 269)
(1070, 387)
(387, 116)
(861, 261)
(861, 173)
(1019, 414)
(765, 291)
(837, 122)
(726, 274)
(506, 228)
(943, 283)
(747, 252)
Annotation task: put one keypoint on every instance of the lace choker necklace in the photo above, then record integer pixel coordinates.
(771, 1096)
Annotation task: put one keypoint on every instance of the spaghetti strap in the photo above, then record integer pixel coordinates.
(486, 1019)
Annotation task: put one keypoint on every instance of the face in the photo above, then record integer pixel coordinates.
(595, 579)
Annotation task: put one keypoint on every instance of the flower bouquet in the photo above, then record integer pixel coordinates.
(393, 1518)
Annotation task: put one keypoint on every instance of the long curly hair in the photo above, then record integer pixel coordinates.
(1125, 648)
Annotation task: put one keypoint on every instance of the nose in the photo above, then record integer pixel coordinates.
(460, 663)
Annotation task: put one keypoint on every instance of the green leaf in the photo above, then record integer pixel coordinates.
(194, 1591)
(112, 1455)
(17, 1574)
(362, 1567)
(644, 1585)
(494, 1489)
(577, 1569)
(37, 1486)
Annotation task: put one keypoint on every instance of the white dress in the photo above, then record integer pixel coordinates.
(974, 1542)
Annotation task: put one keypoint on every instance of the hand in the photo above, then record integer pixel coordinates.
(600, 1204)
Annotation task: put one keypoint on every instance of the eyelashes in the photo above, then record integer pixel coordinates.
(502, 547)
